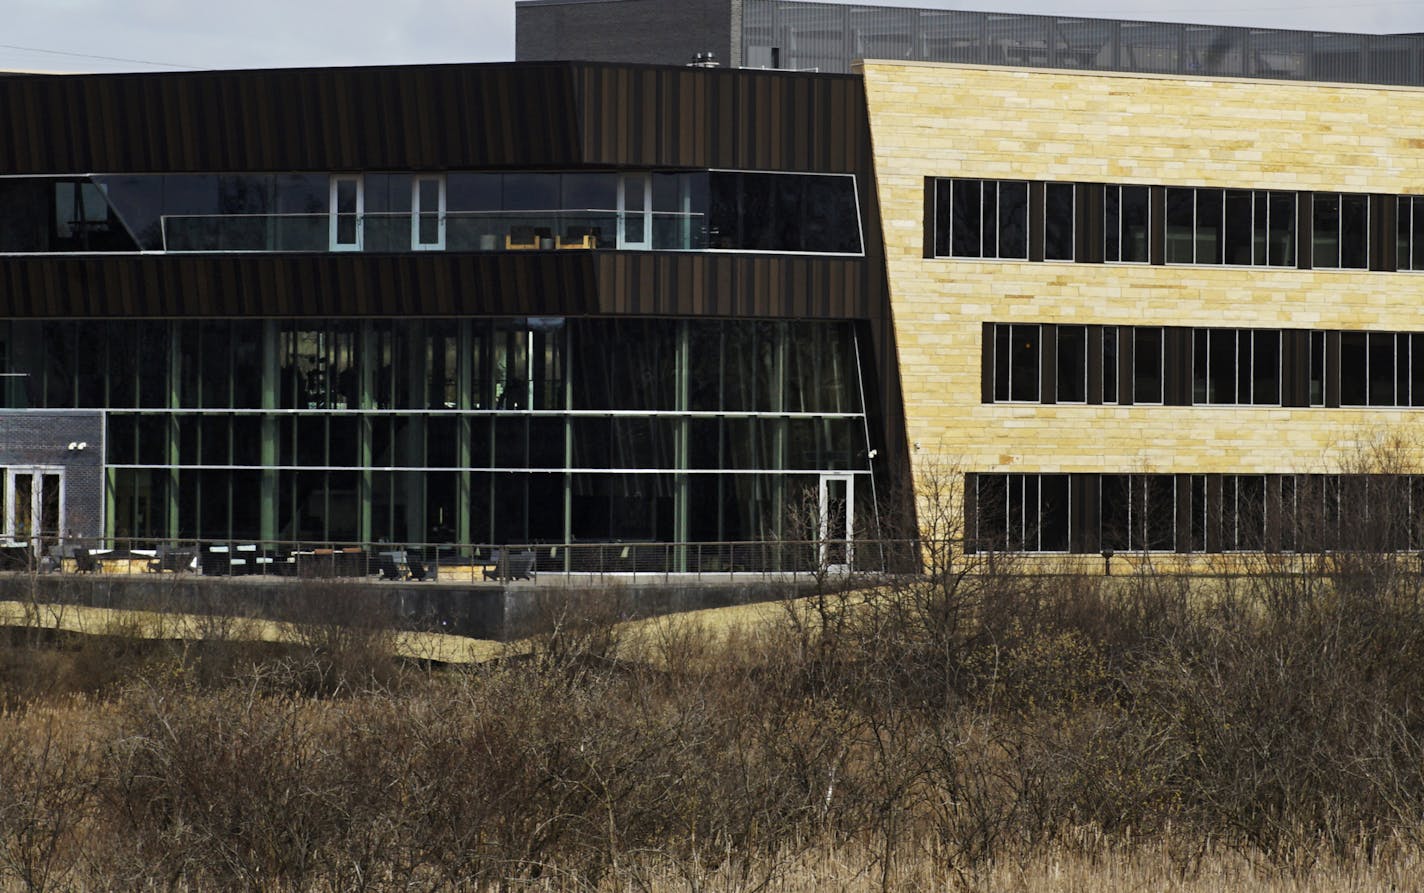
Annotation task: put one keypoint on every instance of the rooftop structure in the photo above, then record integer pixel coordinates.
(829, 37)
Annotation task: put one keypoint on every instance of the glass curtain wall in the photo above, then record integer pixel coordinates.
(530, 429)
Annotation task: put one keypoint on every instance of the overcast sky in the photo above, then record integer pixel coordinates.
(156, 35)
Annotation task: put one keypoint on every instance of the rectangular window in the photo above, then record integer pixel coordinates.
(1021, 512)
(1110, 364)
(1138, 512)
(746, 211)
(1016, 362)
(1378, 369)
(1058, 217)
(1340, 230)
(1147, 358)
(1072, 357)
(1243, 512)
(1317, 368)
(1236, 367)
(981, 218)
(1243, 227)
(1416, 371)
(1126, 218)
(1409, 227)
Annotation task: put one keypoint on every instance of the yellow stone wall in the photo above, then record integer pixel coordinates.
(940, 120)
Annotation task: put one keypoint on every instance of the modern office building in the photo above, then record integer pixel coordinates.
(1136, 300)
(476, 303)
(1152, 283)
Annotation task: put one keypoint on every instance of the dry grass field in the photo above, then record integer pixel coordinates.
(983, 730)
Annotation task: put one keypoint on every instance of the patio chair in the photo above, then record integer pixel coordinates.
(84, 563)
(521, 238)
(584, 237)
(387, 566)
(521, 566)
(495, 569)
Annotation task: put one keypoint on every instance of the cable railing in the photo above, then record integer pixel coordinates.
(477, 563)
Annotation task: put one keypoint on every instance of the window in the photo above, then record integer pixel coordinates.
(1138, 512)
(1110, 364)
(347, 212)
(1147, 356)
(1021, 512)
(1243, 512)
(981, 218)
(1236, 366)
(1410, 233)
(1016, 362)
(1072, 357)
(1340, 231)
(1126, 217)
(756, 211)
(1247, 227)
(1317, 368)
(1058, 216)
(1381, 369)
(427, 218)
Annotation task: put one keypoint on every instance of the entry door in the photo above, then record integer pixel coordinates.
(837, 510)
(635, 211)
(427, 214)
(348, 208)
(34, 505)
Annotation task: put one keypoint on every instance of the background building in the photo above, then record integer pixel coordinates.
(830, 37)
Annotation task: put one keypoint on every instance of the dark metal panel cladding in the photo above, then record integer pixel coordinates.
(555, 283)
(754, 120)
(439, 117)
(397, 118)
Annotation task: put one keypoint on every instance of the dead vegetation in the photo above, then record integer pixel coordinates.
(971, 728)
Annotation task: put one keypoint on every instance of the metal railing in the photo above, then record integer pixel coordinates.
(607, 562)
(533, 230)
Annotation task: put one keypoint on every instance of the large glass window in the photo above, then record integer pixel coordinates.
(1236, 366)
(1021, 512)
(1340, 230)
(1017, 355)
(1127, 215)
(412, 428)
(753, 211)
(1137, 512)
(981, 218)
(1381, 369)
(1409, 229)
(1230, 226)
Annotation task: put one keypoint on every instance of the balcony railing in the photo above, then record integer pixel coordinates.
(546, 230)
(459, 563)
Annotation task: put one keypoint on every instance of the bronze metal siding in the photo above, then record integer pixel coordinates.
(417, 117)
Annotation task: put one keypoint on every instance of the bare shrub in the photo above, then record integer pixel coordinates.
(46, 793)
(347, 637)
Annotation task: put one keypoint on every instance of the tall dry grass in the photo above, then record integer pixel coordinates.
(973, 728)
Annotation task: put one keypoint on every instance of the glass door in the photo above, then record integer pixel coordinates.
(348, 200)
(836, 503)
(635, 211)
(34, 505)
(427, 214)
